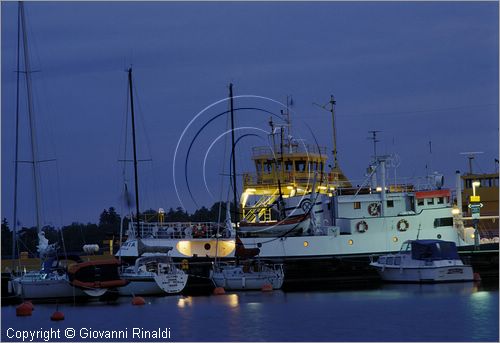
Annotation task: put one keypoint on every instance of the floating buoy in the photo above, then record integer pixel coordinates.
(477, 277)
(24, 310)
(219, 291)
(56, 316)
(30, 304)
(267, 288)
(138, 301)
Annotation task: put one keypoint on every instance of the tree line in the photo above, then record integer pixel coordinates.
(71, 238)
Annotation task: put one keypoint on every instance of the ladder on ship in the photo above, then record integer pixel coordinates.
(261, 208)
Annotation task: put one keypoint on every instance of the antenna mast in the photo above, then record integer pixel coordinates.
(375, 141)
(471, 156)
(332, 103)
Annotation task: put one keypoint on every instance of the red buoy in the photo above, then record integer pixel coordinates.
(138, 301)
(267, 288)
(219, 291)
(24, 310)
(477, 277)
(56, 316)
(30, 304)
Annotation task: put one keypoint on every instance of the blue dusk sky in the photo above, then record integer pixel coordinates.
(419, 72)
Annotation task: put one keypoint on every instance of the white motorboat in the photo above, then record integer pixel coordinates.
(426, 260)
(153, 274)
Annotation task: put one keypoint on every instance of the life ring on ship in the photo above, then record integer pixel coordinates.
(403, 225)
(374, 209)
(306, 205)
(361, 226)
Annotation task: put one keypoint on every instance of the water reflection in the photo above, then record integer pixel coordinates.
(435, 288)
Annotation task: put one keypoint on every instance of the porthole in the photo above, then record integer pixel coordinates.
(207, 246)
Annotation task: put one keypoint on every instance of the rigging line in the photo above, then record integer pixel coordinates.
(198, 133)
(59, 205)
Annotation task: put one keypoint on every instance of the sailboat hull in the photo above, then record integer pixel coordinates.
(45, 289)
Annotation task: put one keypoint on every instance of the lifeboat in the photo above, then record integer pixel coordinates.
(96, 277)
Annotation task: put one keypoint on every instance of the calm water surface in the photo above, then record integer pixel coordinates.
(447, 312)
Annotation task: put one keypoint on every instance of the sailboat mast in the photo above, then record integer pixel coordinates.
(27, 73)
(236, 209)
(16, 157)
(134, 148)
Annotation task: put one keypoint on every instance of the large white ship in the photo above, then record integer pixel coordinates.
(293, 208)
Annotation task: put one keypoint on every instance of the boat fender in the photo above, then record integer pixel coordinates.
(374, 209)
(403, 225)
(361, 226)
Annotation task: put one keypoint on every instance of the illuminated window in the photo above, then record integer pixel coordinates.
(357, 205)
(306, 244)
(350, 242)
(394, 239)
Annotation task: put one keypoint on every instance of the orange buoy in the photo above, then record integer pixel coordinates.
(267, 287)
(30, 304)
(138, 301)
(56, 316)
(219, 291)
(24, 310)
(477, 277)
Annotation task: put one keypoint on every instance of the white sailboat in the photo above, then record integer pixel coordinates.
(51, 281)
(154, 272)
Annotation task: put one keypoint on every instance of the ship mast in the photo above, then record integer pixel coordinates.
(134, 148)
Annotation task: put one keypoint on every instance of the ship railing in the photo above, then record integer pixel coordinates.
(304, 148)
(285, 178)
(401, 185)
(177, 230)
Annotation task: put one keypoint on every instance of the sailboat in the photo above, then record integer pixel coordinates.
(246, 272)
(51, 281)
(154, 272)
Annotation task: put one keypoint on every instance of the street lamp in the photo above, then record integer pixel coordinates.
(474, 185)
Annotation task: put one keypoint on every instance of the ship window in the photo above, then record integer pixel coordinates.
(468, 183)
(390, 203)
(300, 166)
(485, 183)
(420, 202)
(430, 201)
(397, 260)
(278, 167)
(495, 182)
(268, 166)
(447, 221)
(321, 166)
(357, 205)
(259, 167)
(440, 200)
(390, 260)
(288, 166)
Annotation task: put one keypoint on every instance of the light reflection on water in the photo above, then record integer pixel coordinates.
(445, 312)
